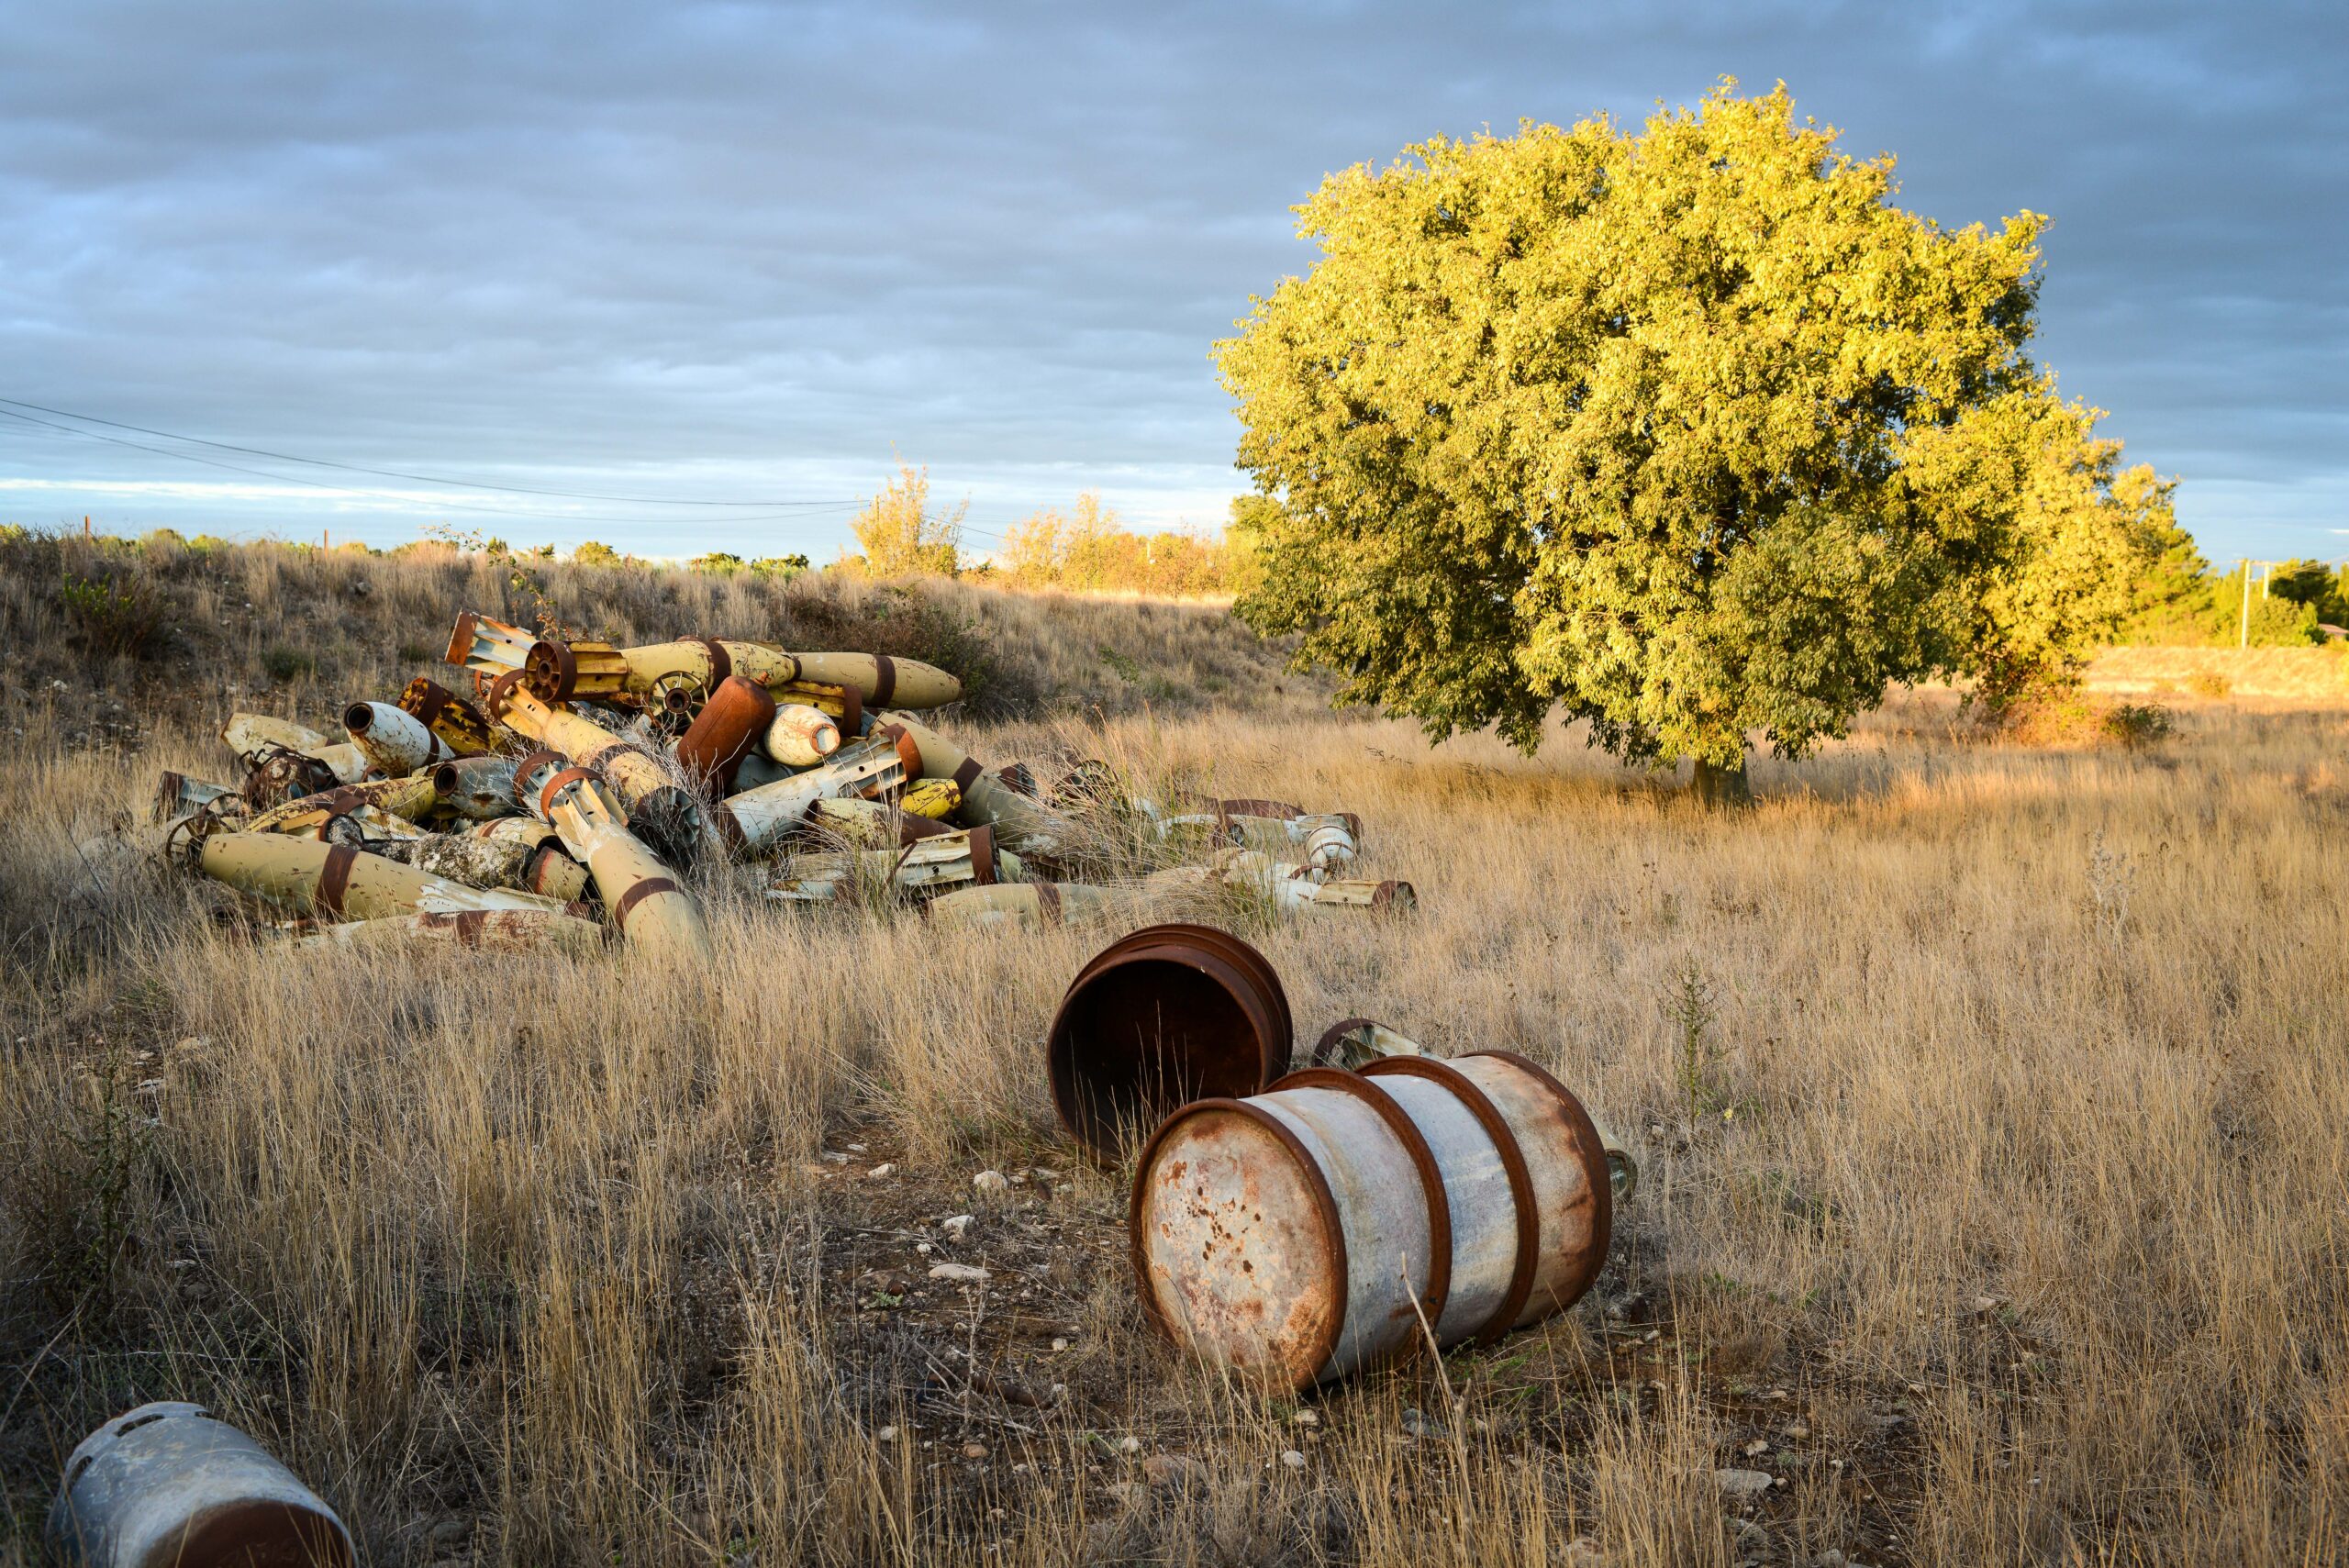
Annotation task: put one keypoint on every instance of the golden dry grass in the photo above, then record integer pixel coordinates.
(2001, 1201)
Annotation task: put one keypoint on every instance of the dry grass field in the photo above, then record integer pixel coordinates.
(1991, 1102)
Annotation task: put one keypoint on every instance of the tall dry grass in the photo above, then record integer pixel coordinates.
(1998, 1198)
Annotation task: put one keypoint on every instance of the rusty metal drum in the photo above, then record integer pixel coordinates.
(1565, 1161)
(1488, 1190)
(1299, 1236)
(166, 1484)
(1164, 1016)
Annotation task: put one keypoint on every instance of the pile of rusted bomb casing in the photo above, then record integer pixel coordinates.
(703, 751)
(166, 1483)
(1303, 1226)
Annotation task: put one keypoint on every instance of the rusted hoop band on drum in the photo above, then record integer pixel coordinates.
(1520, 1177)
(1415, 1144)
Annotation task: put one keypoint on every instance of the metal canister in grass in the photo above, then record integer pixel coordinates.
(1552, 1164)
(1300, 1235)
(165, 1484)
(1161, 1016)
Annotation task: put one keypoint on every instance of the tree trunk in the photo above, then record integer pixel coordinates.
(1722, 789)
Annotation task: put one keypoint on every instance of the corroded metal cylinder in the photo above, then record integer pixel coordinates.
(1302, 1235)
(733, 720)
(1167, 1015)
(495, 930)
(1028, 905)
(166, 1484)
(881, 680)
(478, 787)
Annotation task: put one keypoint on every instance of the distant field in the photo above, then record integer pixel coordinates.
(2314, 674)
(1996, 1214)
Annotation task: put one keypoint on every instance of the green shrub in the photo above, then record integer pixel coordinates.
(2136, 725)
(285, 664)
(593, 553)
(2208, 683)
(112, 614)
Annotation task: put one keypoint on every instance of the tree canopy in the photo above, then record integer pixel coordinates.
(1689, 432)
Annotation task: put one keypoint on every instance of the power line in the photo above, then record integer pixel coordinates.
(434, 504)
(397, 474)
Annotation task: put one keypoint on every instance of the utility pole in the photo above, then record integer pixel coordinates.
(2245, 641)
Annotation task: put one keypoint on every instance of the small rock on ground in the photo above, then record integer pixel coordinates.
(1742, 1482)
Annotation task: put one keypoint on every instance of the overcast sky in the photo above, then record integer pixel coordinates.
(751, 252)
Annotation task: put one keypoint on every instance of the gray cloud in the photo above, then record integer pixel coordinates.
(743, 249)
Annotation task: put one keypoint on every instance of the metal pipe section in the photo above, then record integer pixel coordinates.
(1300, 1235)
(167, 1487)
(1166, 1015)
(478, 787)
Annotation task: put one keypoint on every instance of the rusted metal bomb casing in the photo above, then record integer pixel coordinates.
(844, 705)
(167, 1487)
(178, 797)
(1028, 906)
(1023, 825)
(391, 740)
(881, 680)
(1300, 1235)
(458, 722)
(656, 808)
(643, 901)
(338, 881)
(478, 787)
(734, 719)
(564, 672)
(487, 646)
(757, 817)
(495, 861)
(1566, 1183)
(495, 930)
(1163, 1016)
(254, 735)
(869, 824)
(411, 796)
(800, 736)
(696, 666)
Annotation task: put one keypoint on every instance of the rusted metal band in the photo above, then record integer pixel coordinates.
(430, 705)
(1513, 1166)
(494, 700)
(884, 680)
(852, 712)
(566, 672)
(982, 855)
(1592, 1154)
(359, 718)
(722, 663)
(532, 764)
(1354, 824)
(535, 869)
(557, 784)
(1325, 1203)
(1048, 903)
(1324, 1049)
(637, 894)
(469, 926)
(967, 774)
(729, 826)
(1415, 1143)
(334, 878)
(461, 641)
(1385, 893)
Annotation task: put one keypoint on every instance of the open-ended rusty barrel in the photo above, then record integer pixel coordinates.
(1299, 1236)
(1553, 1167)
(167, 1484)
(1160, 1017)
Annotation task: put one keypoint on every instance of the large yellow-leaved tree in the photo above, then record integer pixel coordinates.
(1688, 431)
